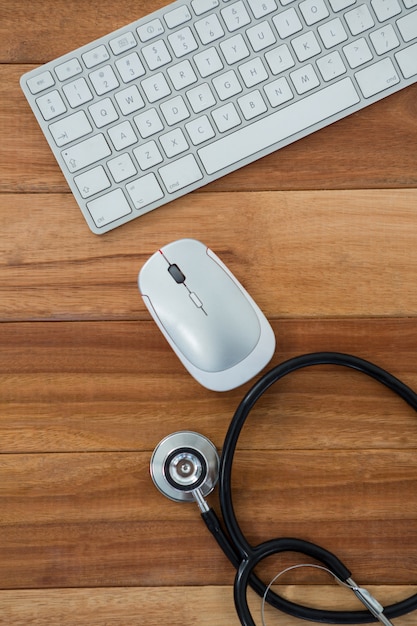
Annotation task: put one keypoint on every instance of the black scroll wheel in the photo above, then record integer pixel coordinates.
(176, 273)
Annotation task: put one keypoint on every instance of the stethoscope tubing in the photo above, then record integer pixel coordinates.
(246, 557)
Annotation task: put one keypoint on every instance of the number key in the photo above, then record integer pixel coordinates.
(235, 16)
(104, 80)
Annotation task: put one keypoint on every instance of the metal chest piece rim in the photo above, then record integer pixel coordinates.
(183, 462)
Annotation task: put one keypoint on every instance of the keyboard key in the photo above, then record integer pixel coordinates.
(173, 142)
(260, 9)
(183, 42)
(109, 208)
(149, 123)
(104, 80)
(234, 49)
(226, 117)
(252, 104)
(208, 62)
(123, 43)
(227, 85)
(122, 167)
(156, 87)
(359, 19)
(357, 53)
(209, 29)
(200, 130)
(70, 128)
(201, 98)
(278, 92)
(177, 17)
(175, 110)
(129, 100)
(287, 23)
(407, 60)
(77, 92)
(261, 36)
(202, 6)
(92, 182)
(103, 112)
(339, 5)
(304, 79)
(306, 46)
(150, 30)
(156, 55)
(279, 59)
(408, 26)
(313, 11)
(86, 153)
(122, 135)
(148, 155)
(182, 75)
(253, 72)
(40, 82)
(69, 69)
(278, 126)
(331, 66)
(130, 67)
(235, 16)
(51, 105)
(385, 9)
(144, 191)
(377, 77)
(384, 39)
(95, 57)
(181, 173)
(332, 33)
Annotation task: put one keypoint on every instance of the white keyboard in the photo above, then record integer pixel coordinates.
(200, 88)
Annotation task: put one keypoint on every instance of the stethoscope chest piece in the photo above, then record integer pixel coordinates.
(182, 463)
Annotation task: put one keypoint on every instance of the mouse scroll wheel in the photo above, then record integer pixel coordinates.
(176, 273)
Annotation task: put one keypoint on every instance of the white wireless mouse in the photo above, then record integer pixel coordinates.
(211, 322)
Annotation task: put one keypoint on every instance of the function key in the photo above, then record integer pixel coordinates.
(68, 69)
(150, 30)
(40, 82)
(95, 56)
(202, 6)
(123, 43)
(177, 16)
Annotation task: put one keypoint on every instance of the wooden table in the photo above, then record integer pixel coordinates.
(323, 234)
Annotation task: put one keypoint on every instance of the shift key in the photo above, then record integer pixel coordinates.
(86, 152)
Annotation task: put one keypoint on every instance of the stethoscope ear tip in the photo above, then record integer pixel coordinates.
(182, 463)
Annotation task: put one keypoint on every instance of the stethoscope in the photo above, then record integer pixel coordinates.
(185, 467)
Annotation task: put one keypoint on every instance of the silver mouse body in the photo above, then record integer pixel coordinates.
(209, 319)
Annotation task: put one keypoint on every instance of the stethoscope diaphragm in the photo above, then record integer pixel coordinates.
(182, 463)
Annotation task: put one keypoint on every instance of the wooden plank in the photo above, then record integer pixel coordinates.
(100, 386)
(95, 519)
(204, 606)
(305, 254)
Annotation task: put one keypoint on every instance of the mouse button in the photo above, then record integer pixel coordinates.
(153, 274)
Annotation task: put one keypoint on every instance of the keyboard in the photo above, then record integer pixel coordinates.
(200, 88)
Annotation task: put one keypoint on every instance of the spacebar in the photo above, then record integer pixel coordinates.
(280, 125)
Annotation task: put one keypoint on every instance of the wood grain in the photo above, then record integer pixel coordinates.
(323, 235)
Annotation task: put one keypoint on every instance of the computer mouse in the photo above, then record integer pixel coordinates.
(211, 322)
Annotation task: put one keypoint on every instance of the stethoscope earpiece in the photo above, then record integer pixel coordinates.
(182, 463)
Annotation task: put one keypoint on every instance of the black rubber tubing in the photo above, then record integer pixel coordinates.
(245, 556)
